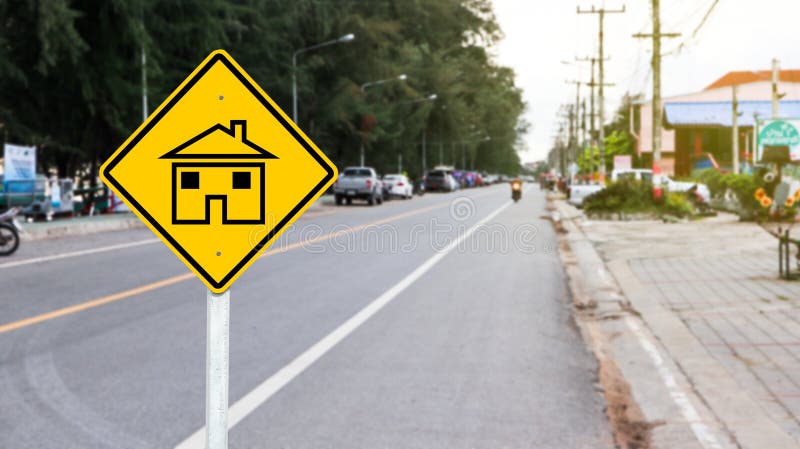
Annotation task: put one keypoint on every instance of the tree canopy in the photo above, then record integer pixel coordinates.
(71, 74)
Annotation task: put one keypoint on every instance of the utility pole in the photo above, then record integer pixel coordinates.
(592, 114)
(601, 13)
(145, 112)
(775, 95)
(735, 130)
(656, 64)
(575, 118)
(569, 142)
(424, 151)
(583, 124)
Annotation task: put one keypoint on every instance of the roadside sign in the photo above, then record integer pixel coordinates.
(218, 171)
(19, 162)
(623, 162)
(779, 133)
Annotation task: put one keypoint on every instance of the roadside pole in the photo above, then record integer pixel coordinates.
(735, 131)
(776, 68)
(159, 204)
(217, 361)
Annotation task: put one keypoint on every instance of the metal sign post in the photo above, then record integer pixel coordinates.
(217, 358)
(205, 196)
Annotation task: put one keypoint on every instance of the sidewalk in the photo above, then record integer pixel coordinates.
(68, 227)
(725, 331)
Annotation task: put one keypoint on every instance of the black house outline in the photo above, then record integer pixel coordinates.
(277, 116)
(258, 153)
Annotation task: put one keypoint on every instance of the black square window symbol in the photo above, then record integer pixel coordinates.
(241, 180)
(190, 180)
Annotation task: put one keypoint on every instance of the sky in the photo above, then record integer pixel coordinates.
(540, 34)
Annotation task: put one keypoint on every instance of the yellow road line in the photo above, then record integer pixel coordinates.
(186, 276)
(93, 303)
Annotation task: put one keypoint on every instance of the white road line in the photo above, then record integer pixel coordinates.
(280, 379)
(83, 252)
(704, 435)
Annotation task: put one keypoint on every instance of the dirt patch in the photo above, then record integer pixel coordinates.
(631, 430)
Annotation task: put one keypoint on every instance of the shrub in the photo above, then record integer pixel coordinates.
(631, 196)
(715, 182)
(677, 204)
(741, 185)
(626, 195)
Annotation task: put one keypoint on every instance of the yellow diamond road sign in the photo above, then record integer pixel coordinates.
(218, 171)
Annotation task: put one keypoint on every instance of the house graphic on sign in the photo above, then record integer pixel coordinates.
(219, 166)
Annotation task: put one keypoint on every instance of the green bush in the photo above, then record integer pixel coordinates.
(743, 187)
(677, 204)
(715, 182)
(631, 196)
(626, 195)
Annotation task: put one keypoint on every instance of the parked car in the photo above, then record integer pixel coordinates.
(440, 180)
(490, 179)
(358, 183)
(639, 174)
(646, 175)
(398, 186)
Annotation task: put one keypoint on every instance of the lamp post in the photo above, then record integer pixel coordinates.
(344, 39)
(431, 97)
(401, 77)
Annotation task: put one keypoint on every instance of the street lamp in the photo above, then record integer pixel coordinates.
(344, 39)
(431, 97)
(401, 77)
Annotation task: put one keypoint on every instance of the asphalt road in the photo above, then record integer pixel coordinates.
(462, 337)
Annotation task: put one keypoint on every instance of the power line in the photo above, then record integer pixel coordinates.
(697, 29)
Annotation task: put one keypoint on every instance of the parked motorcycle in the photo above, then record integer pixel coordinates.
(516, 190)
(9, 232)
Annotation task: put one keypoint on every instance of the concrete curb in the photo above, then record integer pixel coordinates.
(617, 335)
(727, 413)
(742, 416)
(80, 226)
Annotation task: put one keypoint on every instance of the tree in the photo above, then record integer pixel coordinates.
(73, 85)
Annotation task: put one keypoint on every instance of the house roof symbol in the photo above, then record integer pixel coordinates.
(208, 143)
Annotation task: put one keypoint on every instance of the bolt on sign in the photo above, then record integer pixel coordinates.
(218, 171)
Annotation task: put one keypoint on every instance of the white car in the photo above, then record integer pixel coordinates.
(578, 192)
(398, 186)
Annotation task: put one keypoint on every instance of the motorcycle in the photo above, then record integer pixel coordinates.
(516, 190)
(419, 187)
(9, 232)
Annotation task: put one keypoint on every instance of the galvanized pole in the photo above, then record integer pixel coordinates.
(754, 145)
(735, 131)
(145, 112)
(775, 95)
(217, 359)
(294, 87)
(424, 150)
(655, 63)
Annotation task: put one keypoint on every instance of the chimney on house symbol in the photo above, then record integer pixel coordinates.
(219, 165)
